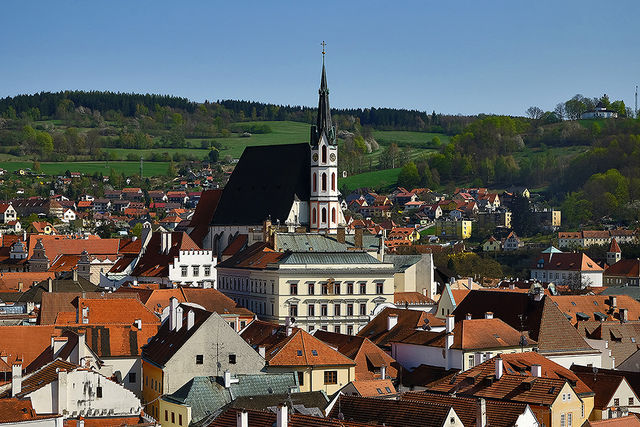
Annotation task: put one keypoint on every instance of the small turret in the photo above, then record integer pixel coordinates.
(614, 254)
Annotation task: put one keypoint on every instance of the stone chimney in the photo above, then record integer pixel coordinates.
(82, 348)
(16, 378)
(383, 372)
(481, 418)
(228, 380)
(191, 319)
(470, 283)
(266, 230)
(179, 311)
(357, 238)
(74, 276)
(242, 419)
(499, 368)
(341, 235)
(613, 301)
(173, 305)
(449, 322)
(488, 315)
(624, 316)
(49, 284)
(392, 321)
(282, 416)
(536, 370)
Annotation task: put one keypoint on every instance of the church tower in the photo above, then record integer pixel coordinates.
(614, 254)
(324, 207)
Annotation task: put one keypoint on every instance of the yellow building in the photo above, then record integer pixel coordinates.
(453, 229)
(318, 366)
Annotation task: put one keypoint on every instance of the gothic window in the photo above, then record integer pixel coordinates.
(333, 181)
(315, 182)
(313, 216)
(324, 182)
(324, 154)
(324, 215)
(333, 215)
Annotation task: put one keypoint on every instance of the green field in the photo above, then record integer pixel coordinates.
(407, 138)
(376, 179)
(59, 168)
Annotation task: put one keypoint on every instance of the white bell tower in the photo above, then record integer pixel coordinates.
(324, 207)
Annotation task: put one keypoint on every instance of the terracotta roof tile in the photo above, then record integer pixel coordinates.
(374, 388)
(155, 263)
(376, 329)
(268, 419)
(27, 342)
(571, 305)
(108, 311)
(13, 410)
(40, 378)
(57, 245)
(628, 421)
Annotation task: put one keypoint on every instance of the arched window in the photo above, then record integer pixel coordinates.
(324, 181)
(324, 154)
(333, 215)
(313, 216)
(333, 181)
(324, 215)
(315, 182)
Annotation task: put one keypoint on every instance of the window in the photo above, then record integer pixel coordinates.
(331, 377)
(166, 415)
(471, 360)
(313, 213)
(199, 359)
(312, 288)
(324, 327)
(315, 188)
(300, 378)
(336, 288)
(333, 215)
(180, 419)
(324, 154)
(336, 329)
(379, 288)
(173, 417)
(99, 392)
(349, 329)
(616, 402)
(293, 310)
(183, 271)
(569, 419)
(232, 359)
(314, 352)
(379, 390)
(196, 270)
(311, 310)
(349, 309)
(562, 420)
(324, 215)
(325, 289)
(336, 310)
(132, 377)
(311, 328)
(333, 182)
(324, 310)
(293, 288)
(324, 181)
(350, 288)
(207, 270)
(631, 401)
(363, 288)
(363, 309)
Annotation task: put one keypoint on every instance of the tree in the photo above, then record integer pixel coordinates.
(522, 219)
(171, 170)
(409, 177)
(534, 113)
(214, 155)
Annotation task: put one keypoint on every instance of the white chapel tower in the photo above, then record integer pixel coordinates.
(324, 208)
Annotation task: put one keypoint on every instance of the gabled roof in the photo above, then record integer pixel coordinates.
(614, 246)
(61, 284)
(40, 378)
(19, 411)
(542, 320)
(28, 343)
(571, 305)
(404, 413)
(298, 349)
(624, 268)
(229, 418)
(374, 387)
(499, 414)
(627, 421)
(267, 179)
(570, 261)
(108, 311)
(69, 245)
(376, 329)
(166, 342)
(603, 385)
(361, 350)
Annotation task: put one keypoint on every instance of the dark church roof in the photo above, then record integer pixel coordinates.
(264, 184)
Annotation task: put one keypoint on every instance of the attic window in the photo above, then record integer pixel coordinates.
(379, 391)
(595, 303)
(573, 303)
(314, 352)
(388, 389)
(299, 352)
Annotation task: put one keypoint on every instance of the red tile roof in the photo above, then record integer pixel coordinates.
(570, 261)
(268, 419)
(26, 342)
(11, 281)
(628, 421)
(109, 311)
(69, 245)
(13, 410)
(374, 388)
(624, 268)
(376, 329)
(411, 298)
(571, 305)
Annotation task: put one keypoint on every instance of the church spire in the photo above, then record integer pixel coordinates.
(323, 122)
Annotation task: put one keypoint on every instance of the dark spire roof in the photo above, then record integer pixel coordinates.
(323, 123)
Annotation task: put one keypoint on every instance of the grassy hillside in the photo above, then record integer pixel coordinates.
(407, 138)
(59, 168)
(375, 180)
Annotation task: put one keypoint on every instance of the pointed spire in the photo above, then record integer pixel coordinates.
(323, 122)
(614, 248)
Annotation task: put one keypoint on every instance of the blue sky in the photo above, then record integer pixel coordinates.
(453, 57)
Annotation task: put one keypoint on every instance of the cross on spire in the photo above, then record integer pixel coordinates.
(323, 49)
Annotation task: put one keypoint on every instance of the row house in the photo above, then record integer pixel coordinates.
(452, 229)
(587, 238)
(133, 194)
(179, 197)
(113, 194)
(573, 269)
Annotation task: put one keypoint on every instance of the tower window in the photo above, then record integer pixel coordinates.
(313, 215)
(333, 215)
(333, 181)
(324, 154)
(324, 182)
(324, 215)
(315, 182)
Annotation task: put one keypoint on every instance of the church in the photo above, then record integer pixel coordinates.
(293, 186)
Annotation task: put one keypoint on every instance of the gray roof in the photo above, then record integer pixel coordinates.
(305, 242)
(632, 291)
(328, 258)
(206, 396)
(402, 262)
(306, 402)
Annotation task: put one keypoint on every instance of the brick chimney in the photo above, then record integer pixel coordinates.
(341, 235)
(357, 239)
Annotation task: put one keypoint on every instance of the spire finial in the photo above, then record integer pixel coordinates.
(324, 45)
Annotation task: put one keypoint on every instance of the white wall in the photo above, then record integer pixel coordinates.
(411, 356)
(527, 419)
(126, 365)
(566, 360)
(49, 422)
(191, 258)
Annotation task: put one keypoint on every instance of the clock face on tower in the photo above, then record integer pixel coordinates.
(315, 157)
(332, 157)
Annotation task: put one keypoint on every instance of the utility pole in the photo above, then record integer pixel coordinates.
(636, 109)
